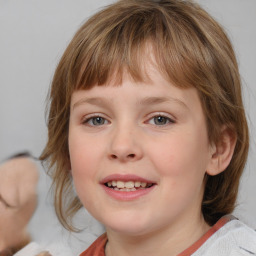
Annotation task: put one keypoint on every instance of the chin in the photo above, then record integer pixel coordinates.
(128, 227)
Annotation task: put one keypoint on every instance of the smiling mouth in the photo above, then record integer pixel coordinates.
(127, 186)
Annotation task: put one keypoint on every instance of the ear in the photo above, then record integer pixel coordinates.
(222, 151)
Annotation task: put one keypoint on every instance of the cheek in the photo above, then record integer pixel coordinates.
(182, 155)
(84, 166)
(82, 151)
(82, 163)
(82, 173)
(182, 173)
(85, 159)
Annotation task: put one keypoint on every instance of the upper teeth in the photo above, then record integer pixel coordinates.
(127, 184)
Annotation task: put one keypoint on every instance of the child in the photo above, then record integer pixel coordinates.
(146, 120)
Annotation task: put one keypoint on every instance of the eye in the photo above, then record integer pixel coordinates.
(95, 121)
(160, 120)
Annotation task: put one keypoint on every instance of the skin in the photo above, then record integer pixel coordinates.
(127, 139)
(18, 181)
(44, 253)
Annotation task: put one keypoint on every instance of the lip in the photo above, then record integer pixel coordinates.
(126, 195)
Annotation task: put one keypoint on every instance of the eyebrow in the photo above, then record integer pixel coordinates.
(98, 101)
(159, 100)
(93, 101)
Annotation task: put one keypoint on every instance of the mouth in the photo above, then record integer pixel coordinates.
(127, 186)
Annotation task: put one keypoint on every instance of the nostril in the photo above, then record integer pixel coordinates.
(130, 156)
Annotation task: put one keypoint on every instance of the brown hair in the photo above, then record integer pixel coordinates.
(190, 48)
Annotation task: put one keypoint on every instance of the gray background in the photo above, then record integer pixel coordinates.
(33, 36)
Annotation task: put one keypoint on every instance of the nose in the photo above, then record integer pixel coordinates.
(125, 145)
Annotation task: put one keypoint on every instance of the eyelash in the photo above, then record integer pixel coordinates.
(167, 119)
(90, 120)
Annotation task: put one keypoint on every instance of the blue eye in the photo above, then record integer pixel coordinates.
(96, 121)
(160, 120)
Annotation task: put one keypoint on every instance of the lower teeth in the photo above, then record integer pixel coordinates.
(125, 189)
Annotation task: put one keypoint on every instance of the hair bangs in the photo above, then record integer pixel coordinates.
(107, 52)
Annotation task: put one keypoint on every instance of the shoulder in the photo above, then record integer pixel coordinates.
(233, 239)
(97, 248)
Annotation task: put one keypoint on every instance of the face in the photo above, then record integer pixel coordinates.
(139, 153)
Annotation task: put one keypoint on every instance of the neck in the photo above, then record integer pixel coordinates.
(168, 241)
